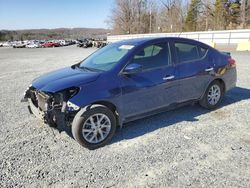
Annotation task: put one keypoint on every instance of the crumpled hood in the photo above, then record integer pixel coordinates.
(63, 78)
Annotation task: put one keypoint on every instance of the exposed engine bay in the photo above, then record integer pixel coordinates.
(52, 108)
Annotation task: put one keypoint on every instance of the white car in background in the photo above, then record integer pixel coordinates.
(6, 44)
(32, 45)
(62, 42)
(19, 44)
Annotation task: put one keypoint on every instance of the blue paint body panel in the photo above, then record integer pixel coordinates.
(63, 78)
(145, 91)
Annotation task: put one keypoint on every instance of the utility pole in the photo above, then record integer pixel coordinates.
(150, 18)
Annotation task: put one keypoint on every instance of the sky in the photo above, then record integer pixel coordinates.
(38, 14)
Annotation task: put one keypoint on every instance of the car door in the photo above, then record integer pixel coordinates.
(192, 66)
(152, 88)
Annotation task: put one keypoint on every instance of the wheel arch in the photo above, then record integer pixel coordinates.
(82, 116)
(222, 82)
(107, 104)
(112, 107)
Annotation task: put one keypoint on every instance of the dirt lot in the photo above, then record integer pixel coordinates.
(187, 147)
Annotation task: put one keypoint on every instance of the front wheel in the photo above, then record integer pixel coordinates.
(94, 128)
(212, 96)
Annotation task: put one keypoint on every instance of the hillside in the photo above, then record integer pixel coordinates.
(59, 33)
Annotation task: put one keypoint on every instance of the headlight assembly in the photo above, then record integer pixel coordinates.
(72, 107)
(71, 92)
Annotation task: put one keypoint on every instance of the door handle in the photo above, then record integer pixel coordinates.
(168, 77)
(209, 69)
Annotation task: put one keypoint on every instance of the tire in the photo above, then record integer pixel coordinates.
(84, 119)
(212, 96)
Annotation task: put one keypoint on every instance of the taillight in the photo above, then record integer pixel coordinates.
(231, 62)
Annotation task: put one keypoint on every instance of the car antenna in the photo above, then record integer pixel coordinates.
(179, 34)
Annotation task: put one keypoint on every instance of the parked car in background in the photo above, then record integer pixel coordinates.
(19, 45)
(33, 45)
(66, 42)
(79, 43)
(71, 42)
(86, 43)
(50, 44)
(101, 44)
(6, 44)
(129, 80)
(62, 42)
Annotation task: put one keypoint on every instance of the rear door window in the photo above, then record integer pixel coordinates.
(189, 52)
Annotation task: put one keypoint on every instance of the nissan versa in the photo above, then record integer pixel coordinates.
(128, 80)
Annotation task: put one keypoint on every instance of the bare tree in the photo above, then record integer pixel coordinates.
(171, 15)
(121, 17)
(146, 16)
(206, 18)
(245, 13)
(133, 16)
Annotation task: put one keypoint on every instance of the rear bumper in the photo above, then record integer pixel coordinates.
(230, 79)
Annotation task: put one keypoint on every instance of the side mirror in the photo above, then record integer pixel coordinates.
(132, 69)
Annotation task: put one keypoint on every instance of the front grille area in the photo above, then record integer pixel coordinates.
(39, 99)
(42, 99)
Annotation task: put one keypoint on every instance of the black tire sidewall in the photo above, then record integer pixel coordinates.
(81, 117)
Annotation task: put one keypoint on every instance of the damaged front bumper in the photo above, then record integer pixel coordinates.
(52, 108)
(34, 110)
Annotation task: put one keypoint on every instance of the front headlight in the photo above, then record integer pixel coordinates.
(72, 107)
(63, 97)
(71, 92)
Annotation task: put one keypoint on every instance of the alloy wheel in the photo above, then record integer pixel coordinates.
(96, 128)
(214, 94)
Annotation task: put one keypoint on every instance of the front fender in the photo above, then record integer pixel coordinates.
(103, 102)
(89, 96)
(104, 90)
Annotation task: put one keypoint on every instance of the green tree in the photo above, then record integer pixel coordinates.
(233, 10)
(21, 37)
(220, 21)
(2, 36)
(226, 12)
(11, 37)
(192, 15)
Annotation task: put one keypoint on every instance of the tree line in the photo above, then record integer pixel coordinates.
(152, 16)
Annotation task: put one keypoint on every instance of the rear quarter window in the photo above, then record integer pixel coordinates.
(203, 52)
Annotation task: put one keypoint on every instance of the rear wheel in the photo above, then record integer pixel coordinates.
(212, 96)
(95, 127)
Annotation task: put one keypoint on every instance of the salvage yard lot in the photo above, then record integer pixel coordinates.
(187, 147)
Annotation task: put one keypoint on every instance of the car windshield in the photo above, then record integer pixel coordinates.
(106, 58)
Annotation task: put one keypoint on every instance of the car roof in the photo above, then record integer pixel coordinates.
(138, 41)
(141, 41)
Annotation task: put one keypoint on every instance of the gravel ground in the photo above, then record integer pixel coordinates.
(187, 147)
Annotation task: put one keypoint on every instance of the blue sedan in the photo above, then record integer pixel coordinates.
(128, 80)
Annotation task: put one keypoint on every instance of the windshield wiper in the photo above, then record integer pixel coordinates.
(89, 69)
